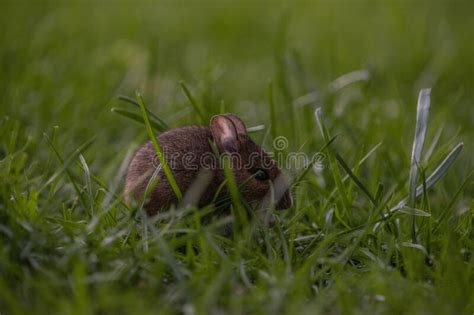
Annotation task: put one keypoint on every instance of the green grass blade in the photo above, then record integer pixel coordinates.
(414, 212)
(306, 169)
(73, 180)
(255, 129)
(355, 179)
(362, 160)
(87, 176)
(418, 247)
(447, 211)
(68, 172)
(197, 108)
(157, 125)
(152, 115)
(426, 205)
(422, 112)
(9, 300)
(240, 212)
(271, 106)
(332, 161)
(68, 162)
(431, 148)
(437, 174)
(159, 151)
(379, 192)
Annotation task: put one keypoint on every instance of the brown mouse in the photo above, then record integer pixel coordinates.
(195, 166)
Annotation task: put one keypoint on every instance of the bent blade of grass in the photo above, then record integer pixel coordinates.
(414, 211)
(418, 247)
(197, 108)
(118, 197)
(255, 128)
(347, 79)
(365, 158)
(306, 169)
(68, 172)
(159, 151)
(307, 99)
(422, 112)
(68, 162)
(355, 179)
(158, 125)
(437, 174)
(96, 180)
(134, 103)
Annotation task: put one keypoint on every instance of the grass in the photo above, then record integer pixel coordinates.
(385, 227)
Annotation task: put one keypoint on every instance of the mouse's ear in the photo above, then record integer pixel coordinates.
(225, 133)
(238, 123)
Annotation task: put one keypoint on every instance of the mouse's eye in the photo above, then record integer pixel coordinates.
(261, 174)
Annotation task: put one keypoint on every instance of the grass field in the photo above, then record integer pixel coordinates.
(68, 244)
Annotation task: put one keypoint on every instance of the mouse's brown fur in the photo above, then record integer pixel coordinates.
(188, 151)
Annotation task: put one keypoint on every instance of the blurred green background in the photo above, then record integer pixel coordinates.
(64, 63)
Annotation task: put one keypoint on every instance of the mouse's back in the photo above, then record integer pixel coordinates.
(184, 149)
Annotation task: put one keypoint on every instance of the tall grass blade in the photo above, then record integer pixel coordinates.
(240, 212)
(271, 105)
(422, 112)
(159, 151)
(446, 212)
(87, 176)
(332, 162)
(197, 108)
